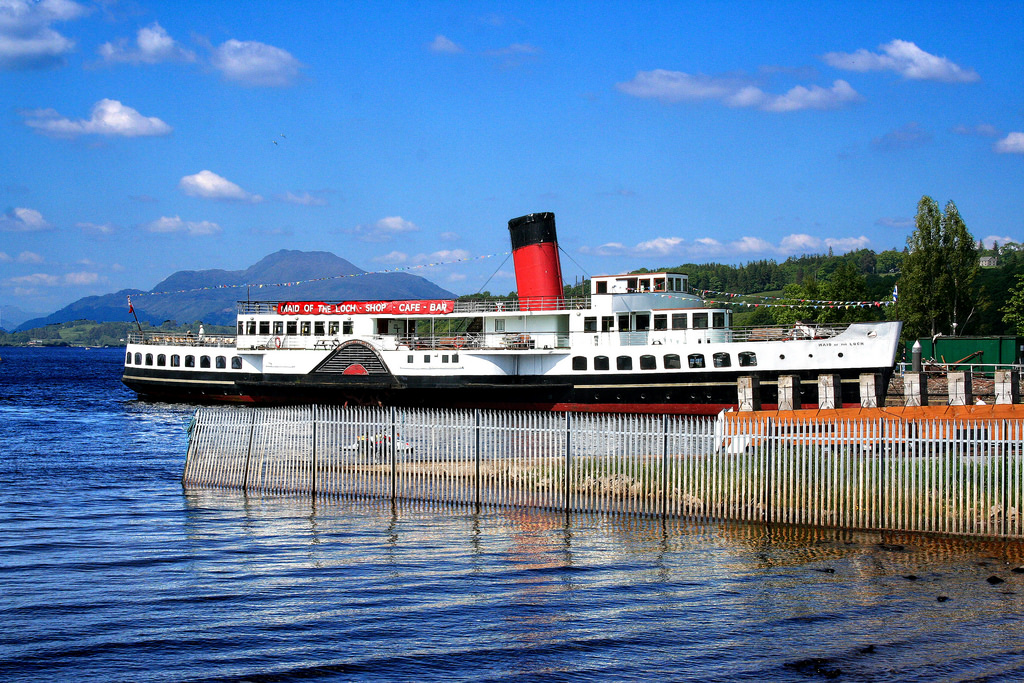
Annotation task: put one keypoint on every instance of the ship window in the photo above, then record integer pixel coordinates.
(645, 285)
(292, 327)
(648, 363)
(149, 359)
(175, 361)
(659, 285)
(318, 328)
(623, 323)
(718, 320)
(600, 362)
(631, 284)
(660, 321)
(128, 358)
(624, 363)
(138, 359)
(250, 327)
(607, 323)
(264, 327)
(590, 324)
(278, 327)
(241, 327)
(426, 358)
(333, 327)
(161, 360)
(672, 361)
(602, 286)
(444, 358)
(696, 360)
(579, 362)
(499, 325)
(678, 321)
(305, 328)
(748, 359)
(643, 322)
(721, 360)
(222, 362)
(236, 363)
(204, 361)
(190, 361)
(700, 321)
(455, 358)
(346, 327)
(409, 359)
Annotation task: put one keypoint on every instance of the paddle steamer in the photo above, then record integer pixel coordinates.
(636, 343)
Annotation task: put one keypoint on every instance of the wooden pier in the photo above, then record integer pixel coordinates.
(944, 470)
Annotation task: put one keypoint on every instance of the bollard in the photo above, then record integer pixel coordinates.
(960, 390)
(871, 394)
(915, 356)
(749, 390)
(789, 392)
(915, 389)
(1007, 387)
(830, 395)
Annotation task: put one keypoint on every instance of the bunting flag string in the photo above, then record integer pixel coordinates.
(322, 279)
(805, 303)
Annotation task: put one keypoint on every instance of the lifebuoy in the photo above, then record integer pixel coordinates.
(459, 342)
(277, 342)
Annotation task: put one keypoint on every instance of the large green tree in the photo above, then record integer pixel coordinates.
(936, 286)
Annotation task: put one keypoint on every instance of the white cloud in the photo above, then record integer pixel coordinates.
(734, 91)
(442, 256)
(1011, 144)
(984, 130)
(997, 239)
(799, 243)
(905, 137)
(152, 46)
(27, 40)
(704, 247)
(29, 257)
(81, 278)
(889, 222)
(255, 64)
(209, 185)
(168, 224)
(5, 258)
(97, 228)
(304, 199)
(444, 45)
(906, 59)
(385, 229)
(23, 220)
(35, 280)
(449, 236)
(392, 257)
(109, 117)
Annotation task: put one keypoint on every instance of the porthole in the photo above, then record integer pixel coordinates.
(782, 356)
(840, 354)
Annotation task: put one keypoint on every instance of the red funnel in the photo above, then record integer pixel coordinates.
(535, 255)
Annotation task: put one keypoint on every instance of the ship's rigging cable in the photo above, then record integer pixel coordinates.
(495, 272)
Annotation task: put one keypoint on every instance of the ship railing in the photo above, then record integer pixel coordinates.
(177, 339)
(463, 307)
(785, 332)
(987, 370)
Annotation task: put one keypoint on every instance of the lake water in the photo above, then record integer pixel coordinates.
(109, 570)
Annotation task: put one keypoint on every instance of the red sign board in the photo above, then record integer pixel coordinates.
(421, 307)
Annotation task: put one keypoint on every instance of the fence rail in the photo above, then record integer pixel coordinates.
(957, 478)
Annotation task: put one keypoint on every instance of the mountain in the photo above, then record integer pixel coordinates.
(12, 316)
(211, 295)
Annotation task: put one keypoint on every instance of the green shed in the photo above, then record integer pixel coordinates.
(974, 350)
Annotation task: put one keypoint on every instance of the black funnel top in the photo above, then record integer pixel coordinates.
(533, 228)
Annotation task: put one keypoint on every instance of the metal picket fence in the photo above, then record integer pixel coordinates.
(958, 478)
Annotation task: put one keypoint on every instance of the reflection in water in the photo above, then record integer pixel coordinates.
(535, 593)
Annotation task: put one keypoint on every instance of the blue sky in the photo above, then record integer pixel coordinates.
(144, 138)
